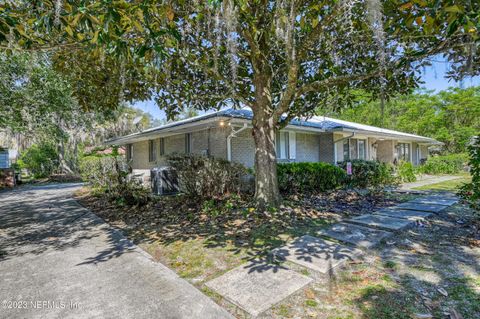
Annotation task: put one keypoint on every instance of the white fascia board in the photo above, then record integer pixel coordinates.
(167, 131)
(296, 128)
(406, 137)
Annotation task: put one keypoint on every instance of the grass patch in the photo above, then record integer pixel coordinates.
(193, 259)
(390, 264)
(305, 272)
(311, 303)
(378, 302)
(283, 311)
(465, 296)
(450, 186)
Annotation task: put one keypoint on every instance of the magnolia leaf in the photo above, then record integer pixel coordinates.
(69, 30)
(453, 9)
(95, 37)
(170, 13)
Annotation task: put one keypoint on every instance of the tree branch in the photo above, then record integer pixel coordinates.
(317, 85)
(292, 66)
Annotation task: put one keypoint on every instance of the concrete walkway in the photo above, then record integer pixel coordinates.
(58, 260)
(428, 181)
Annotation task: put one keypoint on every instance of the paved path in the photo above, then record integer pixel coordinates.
(58, 260)
(428, 181)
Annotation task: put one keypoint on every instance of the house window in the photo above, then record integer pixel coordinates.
(404, 151)
(353, 149)
(282, 145)
(152, 151)
(129, 152)
(162, 146)
(188, 143)
(361, 149)
(346, 150)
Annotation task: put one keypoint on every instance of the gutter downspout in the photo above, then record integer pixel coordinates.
(229, 140)
(344, 138)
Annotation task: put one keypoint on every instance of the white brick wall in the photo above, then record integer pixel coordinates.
(308, 147)
(243, 148)
(326, 148)
(176, 144)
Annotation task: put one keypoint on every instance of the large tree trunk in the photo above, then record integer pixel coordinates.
(266, 183)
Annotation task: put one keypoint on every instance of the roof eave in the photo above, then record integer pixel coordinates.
(422, 139)
(145, 135)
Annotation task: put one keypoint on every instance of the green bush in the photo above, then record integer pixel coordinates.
(40, 159)
(406, 172)
(207, 177)
(100, 171)
(445, 164)
(109, 175)
(471, 191)
(300, 177)
(369, 173)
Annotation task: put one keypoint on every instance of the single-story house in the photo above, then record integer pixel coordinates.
(227, 134)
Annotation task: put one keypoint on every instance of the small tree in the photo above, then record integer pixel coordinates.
(41, 159)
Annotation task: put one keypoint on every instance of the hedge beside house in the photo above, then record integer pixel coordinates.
(445, 164)
(310, 177)
(368, 173)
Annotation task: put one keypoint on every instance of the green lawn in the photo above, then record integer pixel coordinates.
(451, 185)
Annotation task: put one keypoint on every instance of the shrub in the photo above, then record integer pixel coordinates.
(445, 164)
(471, 191)
(207, 177)
(100, 171)
(369, 173)
(108, 175)
(40, 159)
(406, 172)
(299, 177)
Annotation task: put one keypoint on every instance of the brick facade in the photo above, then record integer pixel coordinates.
(327, 149)
(243, 148)
(386, 151)
(309, 147)
(211, 140)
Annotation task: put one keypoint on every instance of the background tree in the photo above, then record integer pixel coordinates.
(39, 107)
(451, 116)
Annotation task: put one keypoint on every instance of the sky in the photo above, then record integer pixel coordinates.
(433, 76)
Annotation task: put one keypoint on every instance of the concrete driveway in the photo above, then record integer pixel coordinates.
(58, 260)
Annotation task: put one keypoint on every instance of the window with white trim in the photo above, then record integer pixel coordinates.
(152, 151)
(362, 154)
(346, 149)
(285, 145)
(129, 152)
(188, 143)
(403, 151)
(281, 144)
(162, 146)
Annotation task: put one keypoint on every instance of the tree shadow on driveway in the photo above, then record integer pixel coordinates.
(42, 219)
